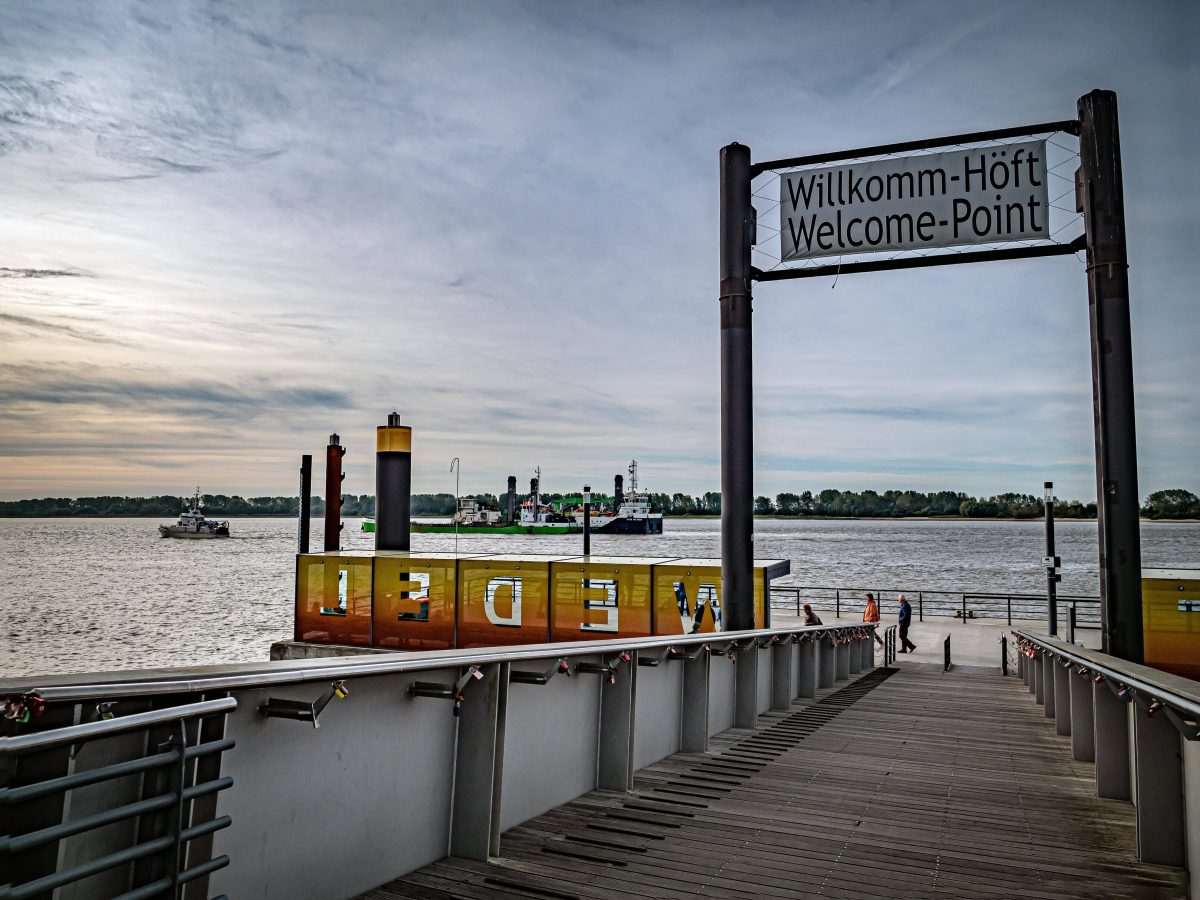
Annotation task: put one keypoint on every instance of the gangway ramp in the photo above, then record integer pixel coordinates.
(902, 783)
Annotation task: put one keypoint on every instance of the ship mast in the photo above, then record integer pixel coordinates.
(633, 476)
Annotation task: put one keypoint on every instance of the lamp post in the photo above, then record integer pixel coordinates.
(456, 468)
(1051, 563)
(587, 520)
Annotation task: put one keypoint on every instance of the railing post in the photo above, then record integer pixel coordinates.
(807, 677)
(1062, 698)
(1010, 610)
(1039, 685)
(479, 766)
(1111, 719)
(1083, 726)
(694, 735)
(838, 602)
(1158, 798)
(783, 681)
(745, 698)
(855, 654)
(1045, 663)
(827, 663)
(1003, 656)
(920, 606)
(842, 662)
(614, 771)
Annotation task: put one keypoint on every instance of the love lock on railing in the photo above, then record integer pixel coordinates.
(446, 691)
(301, 710)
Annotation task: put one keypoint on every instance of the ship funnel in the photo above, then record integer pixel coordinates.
(393, 484)
(533, 485)
(618, 491)
(512, 499)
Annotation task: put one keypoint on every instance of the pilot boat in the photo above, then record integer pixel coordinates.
(192, 523)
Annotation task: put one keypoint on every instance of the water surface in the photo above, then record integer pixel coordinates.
(97, 594)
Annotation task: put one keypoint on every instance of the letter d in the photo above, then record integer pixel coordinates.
(513, 583)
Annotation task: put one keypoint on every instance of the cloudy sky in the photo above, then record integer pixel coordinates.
(229, 229)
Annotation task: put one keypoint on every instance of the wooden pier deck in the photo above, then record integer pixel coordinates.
(908, 782)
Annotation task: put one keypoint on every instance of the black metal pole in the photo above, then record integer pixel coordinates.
(1101, 200)
(393, 484)
(587, 520)
(305, 503)
(1051, 564)
(737, 397)
(333, 493)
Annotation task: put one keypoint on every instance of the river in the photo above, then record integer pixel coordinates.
(82, 595)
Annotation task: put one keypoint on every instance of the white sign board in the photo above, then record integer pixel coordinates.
(979, 196)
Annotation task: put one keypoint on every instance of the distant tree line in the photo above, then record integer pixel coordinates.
(1168, 504)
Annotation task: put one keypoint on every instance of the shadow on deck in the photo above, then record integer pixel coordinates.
(902, 783)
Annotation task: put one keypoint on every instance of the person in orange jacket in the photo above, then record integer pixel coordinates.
(871, 614)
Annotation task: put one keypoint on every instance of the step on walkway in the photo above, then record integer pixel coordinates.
(903, 783)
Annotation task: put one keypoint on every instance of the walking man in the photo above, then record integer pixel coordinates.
(871, 614)
(906, 646)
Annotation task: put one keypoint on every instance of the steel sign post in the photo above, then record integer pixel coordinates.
(737, 396)
(977, 195)
(1101, 200)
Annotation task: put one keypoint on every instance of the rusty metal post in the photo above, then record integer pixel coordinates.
(333, 493)
(1099, 196)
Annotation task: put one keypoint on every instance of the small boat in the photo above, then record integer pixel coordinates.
(192, 523)
(368, 525)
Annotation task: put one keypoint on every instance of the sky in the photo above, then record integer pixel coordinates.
(230, 229)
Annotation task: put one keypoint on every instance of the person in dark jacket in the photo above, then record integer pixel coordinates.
(906, 646)
(810, 617)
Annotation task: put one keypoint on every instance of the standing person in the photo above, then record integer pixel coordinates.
(906, 646)
(871, 614)
(810, 617)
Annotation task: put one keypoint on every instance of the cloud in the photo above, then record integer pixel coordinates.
(42, 273)
(81, 334)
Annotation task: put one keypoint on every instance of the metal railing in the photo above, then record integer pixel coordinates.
(889, 645)
(478, 740)
(1139, 725)
(1082, 610)
(174, 809)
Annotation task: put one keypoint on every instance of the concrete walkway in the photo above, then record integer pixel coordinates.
(975, 643)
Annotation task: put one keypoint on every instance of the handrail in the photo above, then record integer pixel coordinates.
(235, 676)
(983, 595)
(72, 734)
(1142, 679)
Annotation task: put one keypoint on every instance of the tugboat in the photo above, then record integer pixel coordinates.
(192, 523)
(630, 512)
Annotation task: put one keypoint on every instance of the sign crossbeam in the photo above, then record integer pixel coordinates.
(1070, 126)
(916, 262)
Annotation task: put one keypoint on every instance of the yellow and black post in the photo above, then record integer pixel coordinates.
(393, 484)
